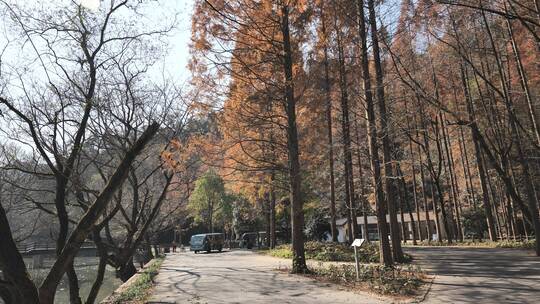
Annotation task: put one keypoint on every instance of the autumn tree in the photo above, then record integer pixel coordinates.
(266, 28)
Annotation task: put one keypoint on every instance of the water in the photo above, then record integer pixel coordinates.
(86, 268)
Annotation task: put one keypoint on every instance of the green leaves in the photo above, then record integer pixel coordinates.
(209, 203)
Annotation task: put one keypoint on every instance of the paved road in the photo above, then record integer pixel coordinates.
(241, 277)
(480, 275)
(462, 275)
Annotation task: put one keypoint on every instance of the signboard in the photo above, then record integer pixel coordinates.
(358, 243)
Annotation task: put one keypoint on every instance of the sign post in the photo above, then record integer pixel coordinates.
(356, 244)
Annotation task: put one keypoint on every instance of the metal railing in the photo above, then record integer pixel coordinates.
(27, 248)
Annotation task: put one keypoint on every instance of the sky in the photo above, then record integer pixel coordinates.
(175, 64)
(176, 60)
(178, 57)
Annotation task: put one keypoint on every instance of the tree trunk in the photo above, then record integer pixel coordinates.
(480, 165)
(127, 270)
(297, 212)
(129, 248)
(74, 297)
(362, 199)
(210, 216)
(102, 252)
(494, 200)
(413, 173)
(346, 137)
(451, 172)
(12, 265)
(272, 212)
(531, 195)
(63, 219)
(401, 200)
(384, 245)
(524, 83)
(424, 185)
(148, 247)
(327, 90)
(436, 213)
(268, 217)
(384, 118)
(466, 169)
(404, 188)
(529, 186)
(83, 228)
(438, 181)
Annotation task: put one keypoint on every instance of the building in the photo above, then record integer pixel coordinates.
(343, 227)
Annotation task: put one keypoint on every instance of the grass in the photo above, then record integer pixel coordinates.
(139, 289)
(393, 281)
(487, 244)
(368, 253)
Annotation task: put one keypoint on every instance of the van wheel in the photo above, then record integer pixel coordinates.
(196, 251)
(208, 251)
(220, 249)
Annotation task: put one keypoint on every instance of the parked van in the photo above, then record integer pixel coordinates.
(206, 242)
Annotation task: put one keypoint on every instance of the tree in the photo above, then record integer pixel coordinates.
(474, 222)
(263, 29)
(209, 203)
(11, 261)
(386, 255)
(76, 51)
(479, 89)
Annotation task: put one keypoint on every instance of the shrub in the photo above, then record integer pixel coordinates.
(474, 222)
(317, 227)
(380, 279)
(529, 244)
(368, 253)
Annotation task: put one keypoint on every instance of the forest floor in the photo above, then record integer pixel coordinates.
(479, 275)
(461, 275)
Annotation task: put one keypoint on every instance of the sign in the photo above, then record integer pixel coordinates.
(358, 243)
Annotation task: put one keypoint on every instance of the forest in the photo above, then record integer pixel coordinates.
(353, 108)
(297, 114)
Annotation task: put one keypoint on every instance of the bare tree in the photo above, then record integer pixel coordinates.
(74, 49)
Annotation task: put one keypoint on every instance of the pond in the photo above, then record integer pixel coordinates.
(86, 268)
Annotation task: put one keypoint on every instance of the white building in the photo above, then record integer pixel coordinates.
(343, 227)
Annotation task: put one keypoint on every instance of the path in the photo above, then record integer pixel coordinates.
(480, 275)
(241, 277)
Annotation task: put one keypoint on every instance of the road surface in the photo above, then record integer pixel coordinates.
(242, 277)
(462, 275)
(480, 275)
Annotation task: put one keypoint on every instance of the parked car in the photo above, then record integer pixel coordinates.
(206, 242)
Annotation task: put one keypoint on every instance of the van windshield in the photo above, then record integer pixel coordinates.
(197, 239)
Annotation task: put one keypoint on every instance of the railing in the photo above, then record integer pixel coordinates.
(47, 246)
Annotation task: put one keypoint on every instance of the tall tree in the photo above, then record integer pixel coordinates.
(208, 201)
